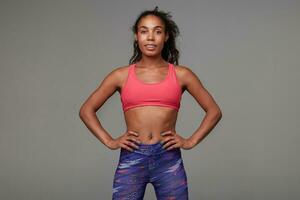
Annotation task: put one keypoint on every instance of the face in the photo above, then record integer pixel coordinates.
(151, 35)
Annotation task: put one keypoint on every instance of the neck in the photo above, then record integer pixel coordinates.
(152, 62)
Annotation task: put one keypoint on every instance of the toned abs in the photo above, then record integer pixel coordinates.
(150, 122)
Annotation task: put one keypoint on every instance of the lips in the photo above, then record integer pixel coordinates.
(150, 46)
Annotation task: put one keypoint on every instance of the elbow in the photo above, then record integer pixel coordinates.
(216, 113)
(81, 112)
(84, 111)
(219, 114)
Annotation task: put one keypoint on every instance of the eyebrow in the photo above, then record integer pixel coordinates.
(153, 27)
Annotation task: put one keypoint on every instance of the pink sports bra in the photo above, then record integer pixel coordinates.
(138, 93)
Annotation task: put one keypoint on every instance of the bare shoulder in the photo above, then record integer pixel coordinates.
(195, 87)
(118, 70)
(107, 87)
(186, 76)
(118, 74)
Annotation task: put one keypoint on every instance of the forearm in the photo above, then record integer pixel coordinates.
(91, 121)
(208, 123)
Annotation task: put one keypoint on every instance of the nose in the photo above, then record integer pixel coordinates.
(150, 36)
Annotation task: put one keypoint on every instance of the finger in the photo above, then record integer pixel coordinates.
(133, 133)
(128, 143)
(172, 147)
(169, 143)
(167, 139)
(134, 140)
(126, 147)
(167, 133)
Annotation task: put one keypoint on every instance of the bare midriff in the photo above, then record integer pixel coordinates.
(150, 122)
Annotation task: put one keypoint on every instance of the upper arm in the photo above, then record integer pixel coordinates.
(195, 87)
(106, 89)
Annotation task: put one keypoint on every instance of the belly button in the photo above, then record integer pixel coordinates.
(150, 136)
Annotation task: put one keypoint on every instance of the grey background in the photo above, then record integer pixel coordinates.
(53, 54)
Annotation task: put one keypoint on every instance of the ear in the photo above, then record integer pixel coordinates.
(135, 37)
(167, 37)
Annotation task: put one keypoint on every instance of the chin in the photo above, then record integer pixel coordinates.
(151, 54)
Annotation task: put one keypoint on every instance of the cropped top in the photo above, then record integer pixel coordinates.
(138, 93)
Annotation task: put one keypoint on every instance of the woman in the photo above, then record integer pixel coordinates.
(151, 88)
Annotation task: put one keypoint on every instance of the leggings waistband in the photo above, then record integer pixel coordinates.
(150, 149)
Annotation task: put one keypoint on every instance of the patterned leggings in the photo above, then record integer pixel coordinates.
(150, 163)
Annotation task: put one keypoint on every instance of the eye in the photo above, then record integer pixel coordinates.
(159, 32)
(143, 31)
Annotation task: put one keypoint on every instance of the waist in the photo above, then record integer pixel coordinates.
(155, 138)
(152, 137)
(151, 149)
